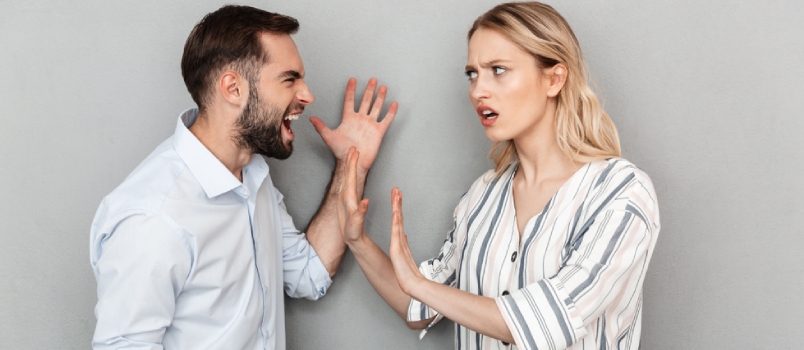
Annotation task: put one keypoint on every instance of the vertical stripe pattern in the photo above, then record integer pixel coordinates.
(573, 280)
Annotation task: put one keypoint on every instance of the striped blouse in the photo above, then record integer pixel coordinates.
(573, 280)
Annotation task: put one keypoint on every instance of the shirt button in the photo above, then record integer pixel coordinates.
(513, 257)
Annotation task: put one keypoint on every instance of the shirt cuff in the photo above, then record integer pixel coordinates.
(319, 277)
(418, 311)
(542, 316)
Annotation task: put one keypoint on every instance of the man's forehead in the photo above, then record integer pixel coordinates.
(282, 52)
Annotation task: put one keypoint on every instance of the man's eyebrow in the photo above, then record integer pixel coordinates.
(291, 73)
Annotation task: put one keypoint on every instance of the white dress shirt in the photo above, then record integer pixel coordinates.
(573, 278)
(188, 257)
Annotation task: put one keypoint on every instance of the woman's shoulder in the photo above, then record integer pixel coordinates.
(488, 184)
(616, 183)
(607, 172)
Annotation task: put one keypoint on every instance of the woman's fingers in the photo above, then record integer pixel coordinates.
(356, 217)
(348, 186)
(396, 200)
(404, 266)
(351, 213)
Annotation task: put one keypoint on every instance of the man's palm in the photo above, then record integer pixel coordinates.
(359, 129)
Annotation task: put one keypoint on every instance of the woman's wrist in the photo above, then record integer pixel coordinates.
(417, 288)
(358, 244)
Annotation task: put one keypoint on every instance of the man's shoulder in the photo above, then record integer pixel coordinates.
(147, 186)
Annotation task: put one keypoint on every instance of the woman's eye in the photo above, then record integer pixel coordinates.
(498, 70)
(471, 74)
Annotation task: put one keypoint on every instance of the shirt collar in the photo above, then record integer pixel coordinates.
(213, 176)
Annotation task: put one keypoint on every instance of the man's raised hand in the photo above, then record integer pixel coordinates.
(360, 129)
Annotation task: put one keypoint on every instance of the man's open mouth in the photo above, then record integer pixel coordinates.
(288, 119)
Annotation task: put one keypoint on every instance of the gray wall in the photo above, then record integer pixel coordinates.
(707, 97)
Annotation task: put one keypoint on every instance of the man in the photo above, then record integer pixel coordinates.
(191, 251)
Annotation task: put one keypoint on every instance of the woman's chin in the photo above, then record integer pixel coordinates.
(495, 136)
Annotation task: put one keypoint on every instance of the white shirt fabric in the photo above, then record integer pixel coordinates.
(188, 257)
(573, 278)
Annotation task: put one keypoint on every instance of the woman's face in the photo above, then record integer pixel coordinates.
(508, 90)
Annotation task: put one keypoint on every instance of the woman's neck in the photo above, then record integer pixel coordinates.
(541, 159)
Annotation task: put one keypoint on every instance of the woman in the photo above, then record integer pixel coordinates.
(549, 249)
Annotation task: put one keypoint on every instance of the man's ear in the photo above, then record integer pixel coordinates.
(557, 76)
(233, 88)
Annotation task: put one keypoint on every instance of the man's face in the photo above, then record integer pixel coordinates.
(276, 98)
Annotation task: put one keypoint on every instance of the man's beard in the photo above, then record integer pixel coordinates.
(259, 127)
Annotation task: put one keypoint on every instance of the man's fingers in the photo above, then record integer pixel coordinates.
(389, 116)
(321, 128)
(349, 96)
(367, 96)
(376, 107)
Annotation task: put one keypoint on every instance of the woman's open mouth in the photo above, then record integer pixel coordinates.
(487, 115)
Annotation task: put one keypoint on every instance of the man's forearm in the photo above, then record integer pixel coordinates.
(323, 233)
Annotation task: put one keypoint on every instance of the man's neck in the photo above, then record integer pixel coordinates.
(218, 138)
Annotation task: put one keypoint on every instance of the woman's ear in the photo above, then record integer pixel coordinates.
(557, 76)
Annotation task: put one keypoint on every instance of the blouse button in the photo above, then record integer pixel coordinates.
(505, 292)
(513, 257)
(506, 343)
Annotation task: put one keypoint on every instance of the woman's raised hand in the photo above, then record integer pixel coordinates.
(407, 273)
(351, 210)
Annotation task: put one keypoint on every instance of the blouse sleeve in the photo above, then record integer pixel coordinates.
(606, 266)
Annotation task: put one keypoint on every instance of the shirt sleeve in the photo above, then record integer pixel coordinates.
(140, 265)
(606, 266)
(304, 274)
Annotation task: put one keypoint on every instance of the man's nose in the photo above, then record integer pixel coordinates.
(304, 95)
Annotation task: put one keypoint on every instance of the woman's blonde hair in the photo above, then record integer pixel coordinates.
(584, 131)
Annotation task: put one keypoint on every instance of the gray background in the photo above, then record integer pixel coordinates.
(707, 97)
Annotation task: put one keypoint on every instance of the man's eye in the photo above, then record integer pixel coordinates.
(290, 80)
(471, 74)
(498, 70)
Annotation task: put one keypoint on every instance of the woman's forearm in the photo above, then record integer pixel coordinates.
(475, 312)
(379, 272)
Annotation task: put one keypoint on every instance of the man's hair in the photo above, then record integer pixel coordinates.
(228, 38)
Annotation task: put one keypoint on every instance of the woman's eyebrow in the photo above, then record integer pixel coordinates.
(488, 64)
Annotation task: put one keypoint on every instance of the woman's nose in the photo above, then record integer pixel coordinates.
(478, 90)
